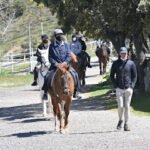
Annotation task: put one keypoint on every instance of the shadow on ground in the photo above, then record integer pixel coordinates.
(28, 134)
(20, 112)
(102, 102)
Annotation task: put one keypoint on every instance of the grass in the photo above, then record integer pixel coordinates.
(8, 79)
(140, 104)
(16, 68)
(22, 67)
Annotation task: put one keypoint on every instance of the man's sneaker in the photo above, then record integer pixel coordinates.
(126, 127)
(119, 125)
(45, 97)
(34, 83)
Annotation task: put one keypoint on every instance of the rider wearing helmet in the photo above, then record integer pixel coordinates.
(81, 39)
(43, 46)
(59, 54)
(75, 45)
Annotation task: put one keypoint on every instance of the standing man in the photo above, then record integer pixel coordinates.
(43, 46)
(123, 76)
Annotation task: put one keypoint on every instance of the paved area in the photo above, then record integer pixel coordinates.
(22, 126)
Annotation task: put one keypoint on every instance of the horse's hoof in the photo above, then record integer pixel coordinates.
(62, 131)
(66, 130)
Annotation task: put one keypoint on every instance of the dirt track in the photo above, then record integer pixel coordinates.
(22, 126)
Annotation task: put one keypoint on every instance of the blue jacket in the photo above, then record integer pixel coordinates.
(76, 47)
(59, 53)
(123, 74)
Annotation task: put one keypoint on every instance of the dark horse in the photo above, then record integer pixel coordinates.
(103, 54)
(79, 63)
(61, 91)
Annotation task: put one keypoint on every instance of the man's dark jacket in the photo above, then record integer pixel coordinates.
(123, 74)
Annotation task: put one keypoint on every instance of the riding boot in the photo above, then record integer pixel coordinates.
(77, 88)
(35, 77)
(89, 60)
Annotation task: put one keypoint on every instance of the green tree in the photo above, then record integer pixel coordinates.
(19, 6)
(115, 20)
(9, 10)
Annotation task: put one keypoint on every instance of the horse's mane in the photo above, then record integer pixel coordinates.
(57, 88)
(74, 57)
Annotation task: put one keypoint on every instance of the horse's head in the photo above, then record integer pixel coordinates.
(63, 82)
(44, 56)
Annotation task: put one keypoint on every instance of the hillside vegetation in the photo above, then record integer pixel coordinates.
(38, 18)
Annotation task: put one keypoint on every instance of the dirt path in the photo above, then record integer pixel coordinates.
(22, 126)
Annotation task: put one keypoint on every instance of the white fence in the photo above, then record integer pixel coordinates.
(91, 47)
(19, 62)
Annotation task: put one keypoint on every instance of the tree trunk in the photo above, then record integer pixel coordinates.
(117, 38)
(140, 53)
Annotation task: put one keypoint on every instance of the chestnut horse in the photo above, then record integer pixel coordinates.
(61, 91)
(79, 64)
(103, 56)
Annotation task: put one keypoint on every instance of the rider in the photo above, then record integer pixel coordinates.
(59, 55)
(83, 48)
(75, 46)
(43, 46)
(104, 45)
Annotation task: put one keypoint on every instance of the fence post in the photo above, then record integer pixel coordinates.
(12, 63)
(0, 67)
(24, 56)
(0, 63)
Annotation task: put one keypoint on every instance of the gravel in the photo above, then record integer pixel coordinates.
(22, 126)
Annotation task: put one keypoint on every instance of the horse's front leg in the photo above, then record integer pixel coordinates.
(49, 105)
(67, 110)
(100, 66)
(44, 103)
(104, 66)
(55, 111)
(83, 78)
(60, 117)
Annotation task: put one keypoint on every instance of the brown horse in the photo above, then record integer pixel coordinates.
(79, 64)
(61, 91)
(103, 56)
